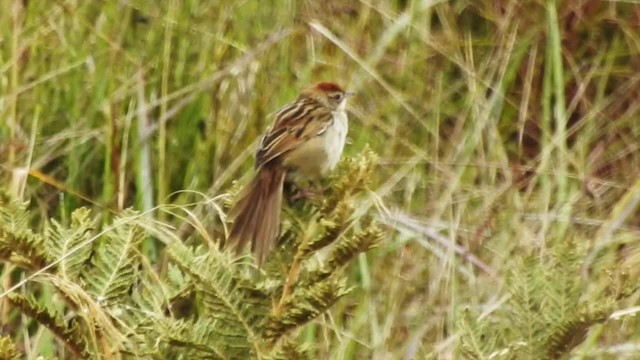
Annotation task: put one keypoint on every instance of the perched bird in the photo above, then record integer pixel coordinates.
(305, 140)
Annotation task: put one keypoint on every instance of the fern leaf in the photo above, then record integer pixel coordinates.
(18, 244)
(288, 350)
(568, 334)
(202, 338)
(331, 229)
(8, 349)
(61, 240)
(71, 335)
(346, 251)
(560, 297)
(114, 264)
(180, 293)
(280, 260)
(305, 305)
(472, 336)
(13, 214)
(236, 307)
(362, 241)
(525, 284)
(353, 176)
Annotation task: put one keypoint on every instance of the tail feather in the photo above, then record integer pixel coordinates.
(256, 214)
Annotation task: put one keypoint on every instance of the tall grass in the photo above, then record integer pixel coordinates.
(502, 128)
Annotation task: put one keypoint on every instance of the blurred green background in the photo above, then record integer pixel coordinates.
(503, 127)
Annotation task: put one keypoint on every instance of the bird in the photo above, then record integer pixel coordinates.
(305, 140)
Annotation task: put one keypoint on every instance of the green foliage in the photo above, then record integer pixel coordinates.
(63, 241)
(546, 314)
(286, 350)
(232, 310)
(8, 349)
(304, 305)
(74, 338)
(205, 304)
(18, 243)
(113, 269)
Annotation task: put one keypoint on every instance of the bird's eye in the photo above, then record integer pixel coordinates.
(336, 97)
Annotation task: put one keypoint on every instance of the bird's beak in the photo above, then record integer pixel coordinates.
(349, 94)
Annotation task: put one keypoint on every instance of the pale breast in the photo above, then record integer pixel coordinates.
(335, 139)
(322, 153)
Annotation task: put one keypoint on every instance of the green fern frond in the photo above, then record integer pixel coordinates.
(175, 278)
(148, 296)
(566, 335)
(546, 314)
(202, 303)
(18, 244)
(476, 343)
(61, 240)
(525, 285)
(180, 293)
(288, 350)
(8, 349)
(226, 298)
(23, 249)
(115, 262)
(203, 338)
(331, 230)
(346, 250)
(71, 335)
(305, 305)
(14, 216)
(279, 260)
(562, 262)
(353, 175)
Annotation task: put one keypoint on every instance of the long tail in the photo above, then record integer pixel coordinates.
(256, 214)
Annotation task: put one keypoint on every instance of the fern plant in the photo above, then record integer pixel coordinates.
(548, 312)
(198, 302)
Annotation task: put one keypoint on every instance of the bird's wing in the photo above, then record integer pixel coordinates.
(294, 124)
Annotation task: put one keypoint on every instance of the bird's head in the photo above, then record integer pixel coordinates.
(328, 94)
